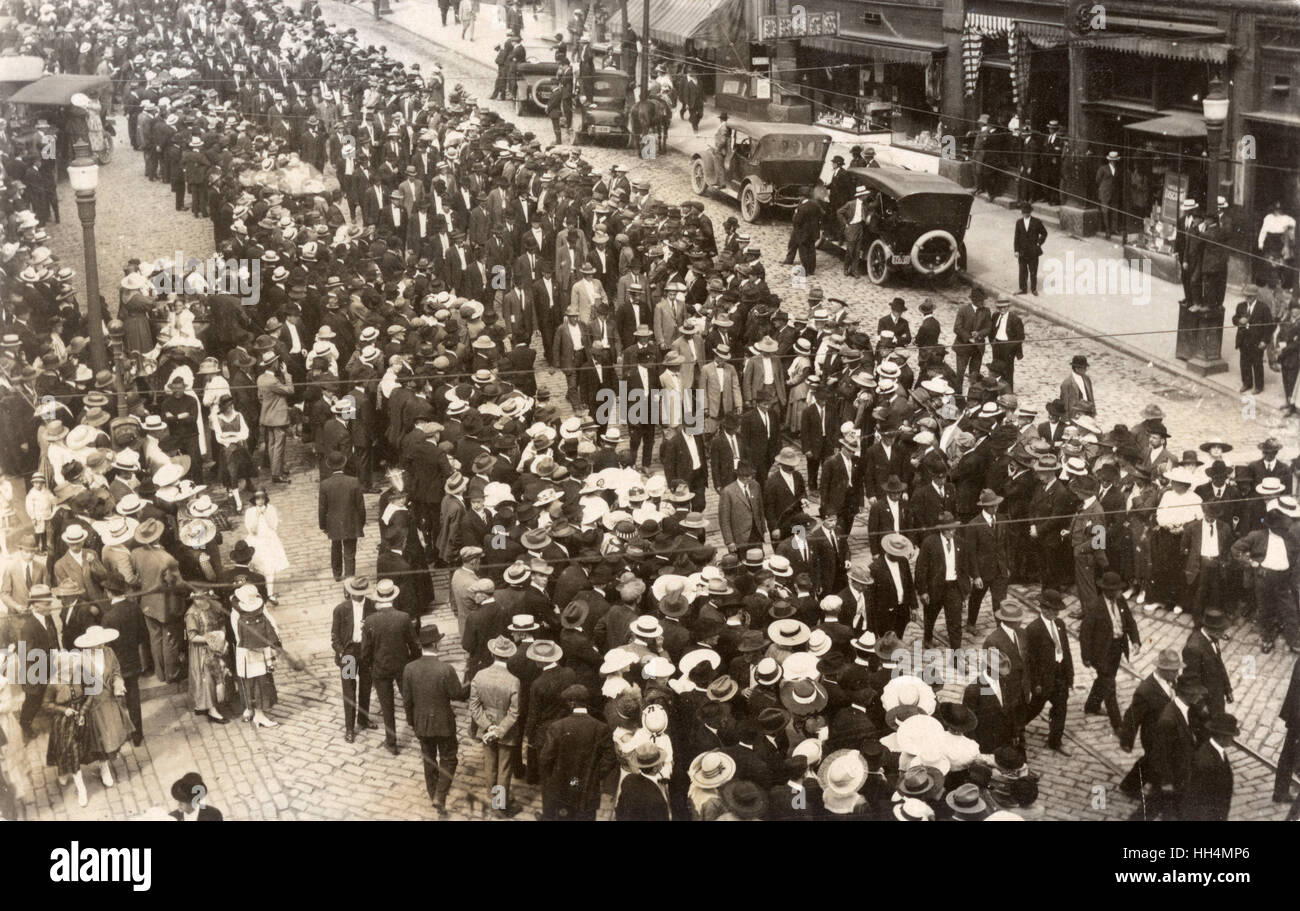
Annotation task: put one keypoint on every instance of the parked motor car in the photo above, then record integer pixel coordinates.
(766, 166)
(916, 221)
(602, 114)
(535, 77)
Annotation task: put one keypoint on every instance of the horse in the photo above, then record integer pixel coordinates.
(650, 116)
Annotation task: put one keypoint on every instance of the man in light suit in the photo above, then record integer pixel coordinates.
(429, 686)
(571, 348)
(721, 390)
(21, 571)
(669, 314)
(740, 511)
(156, 570)
(79, 567)
(494, 708)
(587, 293)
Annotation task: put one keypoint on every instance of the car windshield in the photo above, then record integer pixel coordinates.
(810, 148)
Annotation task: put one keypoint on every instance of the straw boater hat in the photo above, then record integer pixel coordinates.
(96, 636)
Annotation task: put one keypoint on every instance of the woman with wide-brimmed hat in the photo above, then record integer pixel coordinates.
(256, 641)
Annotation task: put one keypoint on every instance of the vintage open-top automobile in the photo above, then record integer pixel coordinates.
(766, 165)
(915, 220)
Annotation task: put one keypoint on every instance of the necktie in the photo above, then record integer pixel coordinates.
(29, 576)
(1056, 642)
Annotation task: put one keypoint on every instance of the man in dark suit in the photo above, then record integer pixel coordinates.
(1203, 659)
(388, 642)
(1108, 186)
(1173, 744)
(1255, 327)
(576, 755)
(995, 721)
(1187, 248)
(1290, 752)
(889, 514)
(429, 686)
(36, 635)
(1149, 700)
(122, 613)
(830, 550)
(817, 431)
(1007, 337)
(685, 461)
(345, 638)
(805, 230)
(726, 451)
(1008, 640)
(1028, 247)
(893, 599)
(1106, 634)
(943, 579)
(1049, 666)
(896, 323)
(1209, 781)
(760, 428)
(840, 492)
(971, 327)
(985, 541)
(783, 491)
(342, 515)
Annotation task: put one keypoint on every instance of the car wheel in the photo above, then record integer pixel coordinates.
(540, 92)
(751, 210)
(699, 183)
(934, 253)
(878, 262)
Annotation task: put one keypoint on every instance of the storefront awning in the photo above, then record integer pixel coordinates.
(1167, 48)
(1178, 125)
(878, 49)
(1274, 117)
(57, 89)
(716, 23)
(21, 68)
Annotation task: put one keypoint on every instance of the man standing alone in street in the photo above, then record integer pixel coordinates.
(429, 686)
(342, 515)
(1028, 246)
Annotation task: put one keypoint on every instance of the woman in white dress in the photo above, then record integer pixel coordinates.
(262, 522)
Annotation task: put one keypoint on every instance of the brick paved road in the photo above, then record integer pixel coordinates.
(304, 770)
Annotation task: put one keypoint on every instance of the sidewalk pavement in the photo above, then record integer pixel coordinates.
(1086, 286)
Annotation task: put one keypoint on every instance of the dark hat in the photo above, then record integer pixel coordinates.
(189, 788)
(955, 717)
(1223, 724)
(576, 694)
(1111, 582)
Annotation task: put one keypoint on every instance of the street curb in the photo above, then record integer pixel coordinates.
(1171, 367)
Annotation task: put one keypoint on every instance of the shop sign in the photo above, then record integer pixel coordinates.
(799, 24)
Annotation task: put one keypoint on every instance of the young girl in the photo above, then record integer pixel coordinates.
(262, 522)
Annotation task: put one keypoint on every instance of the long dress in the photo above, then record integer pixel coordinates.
(796, 382)
(263, 536)
(106, 715)
(232, 437)
(205, 633)
(256, 638)
(71, 736)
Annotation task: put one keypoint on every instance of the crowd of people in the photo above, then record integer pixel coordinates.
(417, 255)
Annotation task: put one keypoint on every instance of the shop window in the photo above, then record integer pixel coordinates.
(1133, 80)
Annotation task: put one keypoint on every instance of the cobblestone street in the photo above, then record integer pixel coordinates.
(304, 769)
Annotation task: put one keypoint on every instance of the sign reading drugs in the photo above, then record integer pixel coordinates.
(799, 24)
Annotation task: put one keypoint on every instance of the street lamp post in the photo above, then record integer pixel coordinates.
(83, 175)
(1207, 322)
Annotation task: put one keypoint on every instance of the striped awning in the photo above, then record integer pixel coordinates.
(1167, 48)
(879, 50)
(716, 23)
